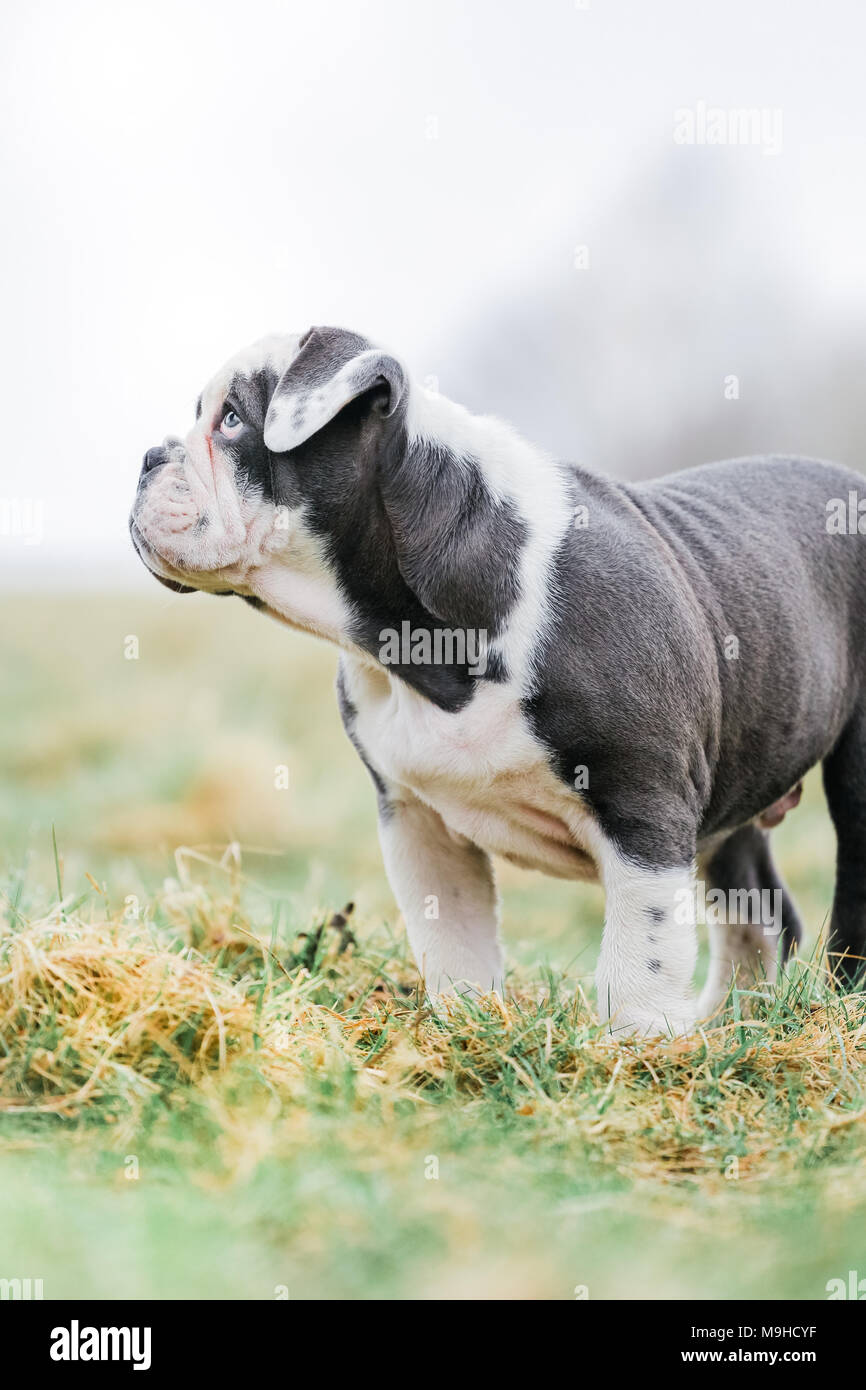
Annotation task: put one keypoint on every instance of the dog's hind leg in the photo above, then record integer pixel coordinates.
(754, 928)
(845, 786)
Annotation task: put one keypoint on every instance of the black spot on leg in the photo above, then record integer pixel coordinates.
(655, 966)
(655, 914)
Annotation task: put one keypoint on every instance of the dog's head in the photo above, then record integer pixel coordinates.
(318, 484)
(213, 508)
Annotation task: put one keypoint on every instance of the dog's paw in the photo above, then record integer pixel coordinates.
(449, 1004)
(714, 1003)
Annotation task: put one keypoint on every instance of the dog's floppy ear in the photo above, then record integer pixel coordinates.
(332, 368)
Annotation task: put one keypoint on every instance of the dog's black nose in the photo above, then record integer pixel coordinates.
(154, 458)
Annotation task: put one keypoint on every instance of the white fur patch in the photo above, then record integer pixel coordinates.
(445, 890)
(480, 768)
(276, 350)
(649, 948)
(296, 584)
(533, 482)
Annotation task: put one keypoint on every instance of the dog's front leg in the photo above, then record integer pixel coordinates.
(649, 949)
(445, 889)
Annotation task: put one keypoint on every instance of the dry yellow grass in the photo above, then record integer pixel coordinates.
(99, 1013)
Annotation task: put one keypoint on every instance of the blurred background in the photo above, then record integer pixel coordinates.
(634, 230)
(505, 195)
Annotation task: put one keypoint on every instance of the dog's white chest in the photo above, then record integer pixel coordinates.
(480, 768)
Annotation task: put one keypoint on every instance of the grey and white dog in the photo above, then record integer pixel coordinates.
(586, 677)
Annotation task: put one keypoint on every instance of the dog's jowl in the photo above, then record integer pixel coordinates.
(585, 677)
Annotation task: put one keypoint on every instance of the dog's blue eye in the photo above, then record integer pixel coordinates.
(231, 423)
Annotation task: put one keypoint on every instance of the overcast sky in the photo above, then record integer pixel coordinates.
(182, 177)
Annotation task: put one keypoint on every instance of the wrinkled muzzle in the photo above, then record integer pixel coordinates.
(185, 521)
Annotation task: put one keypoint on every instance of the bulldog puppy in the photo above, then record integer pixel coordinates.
(590, 678)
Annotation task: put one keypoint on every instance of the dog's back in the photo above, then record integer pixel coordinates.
(784, 591)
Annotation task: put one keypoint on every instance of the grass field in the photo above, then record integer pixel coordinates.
(208, 1089)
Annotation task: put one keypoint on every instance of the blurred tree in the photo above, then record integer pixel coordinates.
(689, 324)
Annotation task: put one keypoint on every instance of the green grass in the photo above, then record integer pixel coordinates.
(280, 1102)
